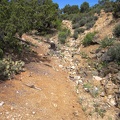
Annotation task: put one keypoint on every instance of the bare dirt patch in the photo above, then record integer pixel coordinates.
(43, 92)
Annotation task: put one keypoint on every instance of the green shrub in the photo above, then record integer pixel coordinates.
(90, 25)
(95, 18)
(1, 53)
(84, 55)
(8, 68)
(116, 30)
(82, 22)
(62, 35)
(76, 18)
(97, 10)
(90, 18)
(75, 35)
(108, 9)
(114, 52)
(116, 10)
(106, 42)
(80, 30)
(88, 39)
(74, 26)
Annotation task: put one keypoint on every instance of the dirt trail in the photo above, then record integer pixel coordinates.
(43, 92)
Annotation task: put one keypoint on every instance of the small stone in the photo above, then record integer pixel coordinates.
(97, 78)
(112, 101)
(102, 94)
(73, 67)
(17, 92)
(86, 89)
(77, 91)
(55, 105)
(11, 108)
(33, 112)
(77, 77)
(60, 66)
(109, 96)
(7, 113)
(76, 113)
(1, 103)
(80, 81)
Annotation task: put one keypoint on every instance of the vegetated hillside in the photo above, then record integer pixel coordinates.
(93, 54)
(19, 17)
(87, 46)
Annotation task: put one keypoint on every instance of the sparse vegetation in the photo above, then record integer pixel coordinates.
(106, 42)
(84, 55)
(75, 35)
(100, 111)
(116, 9)
(116, 30)
(80, 30)
(90, 25)
(114, 52)
(74, 26)
(8, 68)
(88, 39)
(63, 34)
(82, 22)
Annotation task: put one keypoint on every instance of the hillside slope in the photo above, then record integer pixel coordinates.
(43, 92)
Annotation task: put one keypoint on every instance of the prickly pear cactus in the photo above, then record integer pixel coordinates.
(8, 68)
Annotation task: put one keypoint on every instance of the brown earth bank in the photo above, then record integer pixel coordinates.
(43, 92)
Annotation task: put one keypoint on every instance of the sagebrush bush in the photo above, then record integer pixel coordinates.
(82, 22)
(106, 42)
(74, 26)
(1, 53)
(88, 39)
(63, 34)
(116, 9)
(108, 9)
(76, 18)
(8, 68)
(114, 52)
(90, 25)
(80, 30)
(90, 18)
(116, 30)
(75, 35)
(95, 18)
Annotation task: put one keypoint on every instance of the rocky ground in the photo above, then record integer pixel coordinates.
(64, 83)
(97, 88)
(43, 92)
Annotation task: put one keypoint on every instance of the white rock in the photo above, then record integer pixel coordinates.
(17, 92)
(1, 103)
(73, 67)
(55, 105)
(80, 81)
(60, 66)
(77, 77)
(77, 91)
(102, 94)
(33, 112)
(112, 101)
(97, 78)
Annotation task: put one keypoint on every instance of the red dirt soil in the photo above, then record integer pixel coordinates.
(43, 92)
